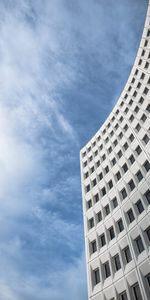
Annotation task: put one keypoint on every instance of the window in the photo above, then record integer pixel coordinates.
(88, 188)
(115, 202)
(117, 262)
(125, 168)
(130, 215)
(148, 108)
(101, 147)
(98, 163)
(86, 175)
(118, 175)
(125, 146)
(138, 150)
(113, 161)
(132, 159)
(90, 158)
(94, 143)
(140, 62)
(148, 32)
(127, 254)
(147, 195)
(96, 197)
(93, 246)
(131, 137)
(136, 292)
(103, 240)
(120, 225)
(135, 94)
(115, 143)
(120, 135)
(139, 206)
(145, 139)
(139, 175)
(112, 133)
(89, 204)
(119, 153)
(139, 244)
(147, 165)
(124, 193)
(131, 118)
(100, 176)
(133, 80)
(121, 119)
(146, 65)
(91, 223)
(126, 127)
(106, 169)
(107, 269)
(99, 216)
(126, 110)
(146, 90)
(143, 118)
(148, 233)
(111, 233)
(92, 170)
(148, 279)
(85, 164)
(123, 296)
(130, 102)
(107, 209)
(96, 152)
(103, 157)
(103, 191)
(143, 52)
(109, 149)
(136, 72)
(131, 185)
(142, 76)
(110, 184)
(94, 182)
(141, 100)
(83, 154)
(146, 43)
(138, 127)
(96, 276)
(136, 109)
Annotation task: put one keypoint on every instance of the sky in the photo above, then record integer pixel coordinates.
(63, 64)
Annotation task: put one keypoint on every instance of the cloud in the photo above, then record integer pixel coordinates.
(58, 59)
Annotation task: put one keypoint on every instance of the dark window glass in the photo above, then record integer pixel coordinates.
(96, 197)
(107, 269)
(103, 240)
(115, 202)
(123, 296)
(111, 232)
(147, 195)
(91, 223)
(148, 232)
(117, 262)
(147, 165)
(107, 209)
(139, 206)
(89, 204)
(124, 193)
(125, 146)
(106, 169)
(148, 107)
(99, 216)
(139, 244)
(103, 191)
(136, 292)
(93, 246)
(131, 137)
(100, 176)
(146, 139)
(98, 163)
(96, 276)
(110, 184)
(120, 225)
(113, 161)
(148, 279)
(88, 188)
(138, 150)
(119, 153)
(127, 254)
(132, 159)
(118, 175)
(94, 182)
(125, 168)
(130, 215)
(143, 118)
(138, 127)
(139, 175)
(131, 185)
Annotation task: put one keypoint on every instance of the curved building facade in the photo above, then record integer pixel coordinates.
(115, 173)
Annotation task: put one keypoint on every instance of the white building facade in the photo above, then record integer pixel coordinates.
(115, 174)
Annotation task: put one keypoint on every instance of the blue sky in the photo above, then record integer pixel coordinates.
(63, 66)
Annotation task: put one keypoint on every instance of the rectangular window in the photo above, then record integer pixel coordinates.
(136, 292)
(125, 146)
(139, 206)
(117, 262)
(102, 240)
(139, 244)
(127, 254)
(93, 246)
(87, 188)
(123, 296)
(111, 233)
(89, 204)
(107, 269)
(120, 225)
(115, 202)
(131, 185)
(148, 233)
(120, 154)
(146, 139)
(113, 161)
(94, 182)
(91, 223)
(96, 276)
(147, 165)
(139, 175)
(131, 137)
(92, 170)
(130, 215)
(138, 150)
(96, 198)
(118, 176)
(143, 118)
(100, 176)
(125, 168)
(132, 159)
(103, 191)
(107, 209)
(110, 184)
(148, 279)
(124, 193)
(99, 216)
(147, 195)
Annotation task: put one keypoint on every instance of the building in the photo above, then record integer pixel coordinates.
(115, 173)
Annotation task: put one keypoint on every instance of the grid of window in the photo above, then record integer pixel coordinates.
(115, 173)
